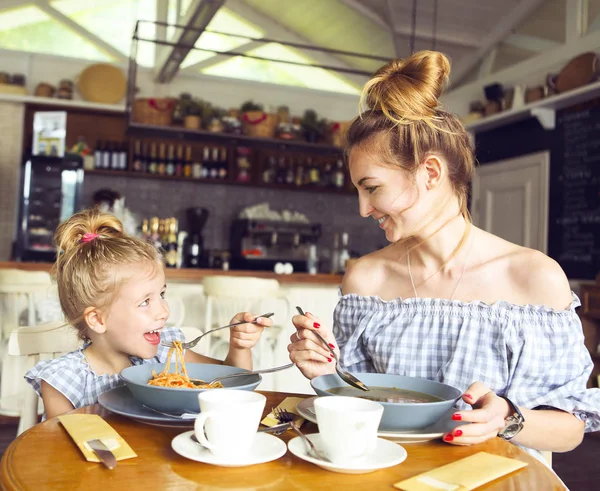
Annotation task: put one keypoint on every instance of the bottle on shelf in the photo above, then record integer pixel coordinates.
(281, 170)
(162, 160)
(223, 164)
(269, 170)
(199, 169)
(338, 175)
(179, 162)
(171, 242)
(98, 155)
(312, 259)
(335, 254)
(106, 155)
(289, 172)
(123, 156)
(344, 253)
(153, 161)
(299, 179)
(214, 167)
(187, 166)
(327, 175)
(315, 173)
(115, 161)
(170, 164)
(144, 158)
(137, 157)
(204, 167)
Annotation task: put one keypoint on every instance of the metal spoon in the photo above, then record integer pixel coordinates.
(344, 375)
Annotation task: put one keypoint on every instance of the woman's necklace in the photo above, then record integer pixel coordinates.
(459, 278)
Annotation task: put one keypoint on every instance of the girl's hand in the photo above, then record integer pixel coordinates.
(245, 336)
(307, 350)
(486, 418)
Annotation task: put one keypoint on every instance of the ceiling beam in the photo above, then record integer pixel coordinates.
(501, 31)
(420, 34)
(81, 31)
(576, 19)
(197, 18)
(487, 64)
(531, 43)
(216, 58)
(275, 30)
(12, 4)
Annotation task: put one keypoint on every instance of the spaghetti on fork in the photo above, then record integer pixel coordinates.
(179, 378)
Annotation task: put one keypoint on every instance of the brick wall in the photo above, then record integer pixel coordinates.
(164, 198)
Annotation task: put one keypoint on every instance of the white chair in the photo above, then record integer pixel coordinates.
(227, 295)
(28, 345)
(18, 291)
(177, 308)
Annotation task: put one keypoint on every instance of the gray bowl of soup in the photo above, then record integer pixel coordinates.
(179, 400)
(409, 403)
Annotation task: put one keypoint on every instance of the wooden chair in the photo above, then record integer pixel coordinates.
(31, 344)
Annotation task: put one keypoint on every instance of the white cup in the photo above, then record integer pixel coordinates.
(230, 419)
(348, 427)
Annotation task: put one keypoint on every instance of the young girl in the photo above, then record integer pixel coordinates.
(112, 290)
(445, 300)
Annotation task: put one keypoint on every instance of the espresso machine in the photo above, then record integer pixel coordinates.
(194, 255)
(258, 244)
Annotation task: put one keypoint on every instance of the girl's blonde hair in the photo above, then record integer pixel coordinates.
(91, 249)
(403, 120)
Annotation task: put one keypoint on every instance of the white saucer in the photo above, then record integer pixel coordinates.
(387, 454)
(265, 449)
(305, 408)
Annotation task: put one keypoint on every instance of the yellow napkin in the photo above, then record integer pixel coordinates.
(288, 404)
(84, 427)
(462, 475)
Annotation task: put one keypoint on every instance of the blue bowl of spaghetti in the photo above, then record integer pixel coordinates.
(178, 400)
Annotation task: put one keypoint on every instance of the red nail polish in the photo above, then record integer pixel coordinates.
(329, 359)
(457, 417)
(316, 325)
(457, 432)
(468, 396)
(331, 345)
(448, 438)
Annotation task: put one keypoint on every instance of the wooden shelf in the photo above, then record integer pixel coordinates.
(544, 110)
(68, 103)
(228, 181)
(180, 133)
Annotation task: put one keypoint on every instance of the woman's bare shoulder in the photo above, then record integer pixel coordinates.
(536, 278)
(365, 275)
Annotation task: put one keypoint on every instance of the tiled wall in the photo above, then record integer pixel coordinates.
(164, 198)
(11, 122)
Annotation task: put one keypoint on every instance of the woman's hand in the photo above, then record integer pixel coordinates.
(486, 418)
(245, 336)
(307, 350)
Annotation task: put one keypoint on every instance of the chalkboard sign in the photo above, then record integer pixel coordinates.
(574, 210)
(574, 229)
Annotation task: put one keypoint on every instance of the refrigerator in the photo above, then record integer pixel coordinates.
(51, 191)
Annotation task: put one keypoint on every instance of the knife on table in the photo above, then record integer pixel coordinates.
(103, 453)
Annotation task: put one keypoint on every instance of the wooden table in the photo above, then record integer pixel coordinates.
(45, 457)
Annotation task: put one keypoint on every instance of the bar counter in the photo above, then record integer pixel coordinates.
(191, 275)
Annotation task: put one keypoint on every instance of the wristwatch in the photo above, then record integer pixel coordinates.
(514, 423)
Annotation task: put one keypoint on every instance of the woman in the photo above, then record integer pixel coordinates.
(445, 300)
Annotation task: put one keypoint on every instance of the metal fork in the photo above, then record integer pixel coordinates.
(284, 416)
(344, 375)
(195, 341)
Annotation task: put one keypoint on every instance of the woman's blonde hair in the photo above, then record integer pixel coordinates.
(403, 120)
(91, 249)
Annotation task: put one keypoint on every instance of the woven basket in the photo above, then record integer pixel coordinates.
(158, 111)
(261, 124)
(337, 133)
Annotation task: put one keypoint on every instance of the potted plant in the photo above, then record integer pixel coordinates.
(256, 122)
(216, 119)
(312, 126)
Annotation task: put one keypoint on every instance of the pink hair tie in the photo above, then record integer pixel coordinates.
(89, 237)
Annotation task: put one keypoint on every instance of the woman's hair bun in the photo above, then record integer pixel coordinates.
(70, 233)
(408, 90)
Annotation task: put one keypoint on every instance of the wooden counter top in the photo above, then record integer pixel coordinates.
(190, 275)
